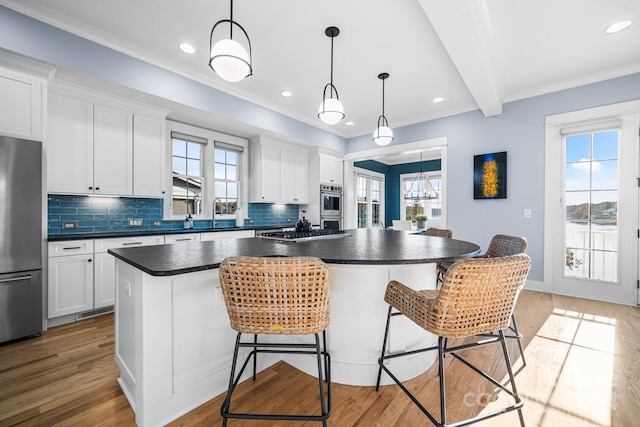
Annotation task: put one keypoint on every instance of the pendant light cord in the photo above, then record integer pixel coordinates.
(383, 97)
(231, 19)
(331, 79)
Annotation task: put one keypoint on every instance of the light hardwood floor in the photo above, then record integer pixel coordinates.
(583, 369)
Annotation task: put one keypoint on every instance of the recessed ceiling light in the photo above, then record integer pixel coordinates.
(286, 93)
(438, 99)
(618, 26)
(187, 48)
(349, 123)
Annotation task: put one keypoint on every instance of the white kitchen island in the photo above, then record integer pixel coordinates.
(173, 340)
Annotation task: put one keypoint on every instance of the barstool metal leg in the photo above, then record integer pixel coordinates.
(443, 399)
(255, 356)
(384, 347)
(507, 360)
(518, 336)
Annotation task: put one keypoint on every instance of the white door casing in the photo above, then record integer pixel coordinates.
(625, 116)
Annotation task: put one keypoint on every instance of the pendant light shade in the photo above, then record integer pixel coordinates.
(383, 135)
(229, 58)
(331, 110)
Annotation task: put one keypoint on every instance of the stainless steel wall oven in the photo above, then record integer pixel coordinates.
(330, 207)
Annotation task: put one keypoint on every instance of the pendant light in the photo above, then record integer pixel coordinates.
(383, 134)
(229, 59)
(421, 188)
(331, 110)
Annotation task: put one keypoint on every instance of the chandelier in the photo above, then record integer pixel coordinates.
(421, 188)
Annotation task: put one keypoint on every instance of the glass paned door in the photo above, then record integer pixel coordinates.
(591, 205)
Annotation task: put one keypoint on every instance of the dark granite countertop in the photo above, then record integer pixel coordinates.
(158, 232)
(369, 247)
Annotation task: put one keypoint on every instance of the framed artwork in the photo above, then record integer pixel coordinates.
(490, 176)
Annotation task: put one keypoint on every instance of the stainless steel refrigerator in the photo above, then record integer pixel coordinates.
(21, 241)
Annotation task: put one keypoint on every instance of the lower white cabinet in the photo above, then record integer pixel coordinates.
(181, 238)
(70, 277)
(105, 266)
(223, 235)
(82, 273)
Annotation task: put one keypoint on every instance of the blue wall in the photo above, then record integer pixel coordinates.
(392, 181)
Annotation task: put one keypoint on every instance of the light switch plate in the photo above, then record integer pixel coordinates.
(527, 213)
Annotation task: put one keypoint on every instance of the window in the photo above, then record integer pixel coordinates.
(591, 194)
(370, 200)
(431, 208)
(187, 177)
(226, 180)
(207, 168)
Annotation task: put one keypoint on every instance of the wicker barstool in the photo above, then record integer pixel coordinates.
(440, 269)
(505, 245)
(277, 296)
(477, 297)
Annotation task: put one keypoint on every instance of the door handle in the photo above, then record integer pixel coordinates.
(16, 279)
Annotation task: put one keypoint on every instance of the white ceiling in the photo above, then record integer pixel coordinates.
(474, 53)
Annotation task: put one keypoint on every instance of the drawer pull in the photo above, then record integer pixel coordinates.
(182, 240)
(71, 247)
(131, 243)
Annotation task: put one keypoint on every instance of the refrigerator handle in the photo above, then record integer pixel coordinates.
(16, 279)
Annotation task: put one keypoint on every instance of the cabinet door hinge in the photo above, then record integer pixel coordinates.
(637, 284)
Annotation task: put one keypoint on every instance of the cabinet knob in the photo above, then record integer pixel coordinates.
(90, 188)
(163, 192)
(89, 260)
(97, 188)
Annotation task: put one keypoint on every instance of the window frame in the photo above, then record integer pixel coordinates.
(438, 174)
(370, 176)
(207, 162)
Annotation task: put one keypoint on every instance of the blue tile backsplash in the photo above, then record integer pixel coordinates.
(111, 214)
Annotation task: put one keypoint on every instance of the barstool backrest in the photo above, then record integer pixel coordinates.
(439, 232)
(504, 245)
(271, 295)
(477, 296)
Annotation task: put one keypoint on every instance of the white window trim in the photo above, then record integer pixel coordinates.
(208, 188)
(431, 174)
(370, 174)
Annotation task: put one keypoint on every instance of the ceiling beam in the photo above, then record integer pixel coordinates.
(464, 28)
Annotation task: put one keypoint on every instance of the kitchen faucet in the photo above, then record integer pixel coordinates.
(213, 215)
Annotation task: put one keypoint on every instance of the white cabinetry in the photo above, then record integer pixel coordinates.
(112, 151)
(70, 277)
(279, 172)
(181, 238)
(294, 177)
(330, 170)
(149, 153)
(224, 235)
(70, 145)
(21, 104)
(102, 145)
(105, 266)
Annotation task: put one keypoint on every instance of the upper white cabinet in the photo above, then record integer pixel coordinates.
(279, 172)
(294, 177)
(70, 146)
(265, 172)
(330, 170)
(98, 145)
(21, 104)
(112, 151)
(149, 154)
